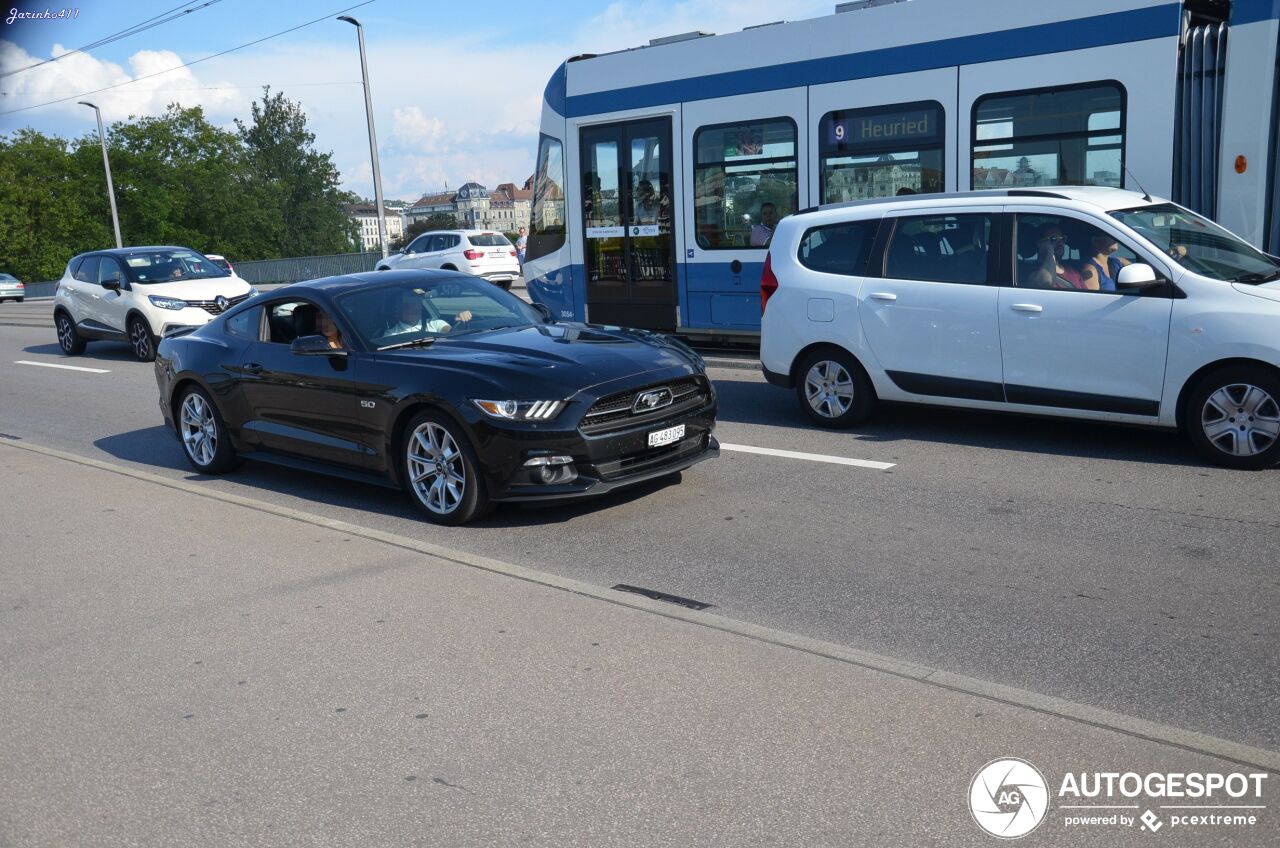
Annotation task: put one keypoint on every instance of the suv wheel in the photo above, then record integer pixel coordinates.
(441, 471)
(1233, 417)
(141, 340)
(203, 434)
(68, 339)
(834, 390)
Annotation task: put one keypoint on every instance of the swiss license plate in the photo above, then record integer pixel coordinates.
(497, 253)
(658, 438)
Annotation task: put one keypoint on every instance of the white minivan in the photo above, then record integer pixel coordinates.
(1082, 302)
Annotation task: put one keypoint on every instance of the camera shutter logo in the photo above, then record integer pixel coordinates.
(1008, 798)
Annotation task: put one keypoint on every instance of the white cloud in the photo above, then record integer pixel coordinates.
(80, 72)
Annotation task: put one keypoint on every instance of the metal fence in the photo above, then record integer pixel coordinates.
(305, 267)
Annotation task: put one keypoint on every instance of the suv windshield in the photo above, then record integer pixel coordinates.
(419, 311)
(1199, 245)
(170, 266)
(489, 240)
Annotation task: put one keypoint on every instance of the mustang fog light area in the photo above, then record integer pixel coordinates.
(166, 302)
(520, 410)
(551, 469)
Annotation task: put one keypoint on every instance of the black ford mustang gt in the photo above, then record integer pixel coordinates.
(438, 382)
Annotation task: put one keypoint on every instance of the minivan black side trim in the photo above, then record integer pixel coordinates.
(954, 387)
(1081, 400)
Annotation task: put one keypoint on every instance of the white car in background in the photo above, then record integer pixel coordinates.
(11, 288)
(1091, 303)
(135, 294)
(484, 253)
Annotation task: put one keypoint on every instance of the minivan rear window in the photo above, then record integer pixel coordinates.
(838, 248)
(489, 240)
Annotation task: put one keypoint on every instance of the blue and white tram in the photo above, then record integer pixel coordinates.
(660, 169)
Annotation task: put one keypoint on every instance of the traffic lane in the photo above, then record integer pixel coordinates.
(1056, 595)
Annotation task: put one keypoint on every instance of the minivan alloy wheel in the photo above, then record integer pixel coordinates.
(1241, 419)
(828, 386)
(436, 470)
(199, 429)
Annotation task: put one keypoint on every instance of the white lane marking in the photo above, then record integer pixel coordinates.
(67, 367)
(811, 457)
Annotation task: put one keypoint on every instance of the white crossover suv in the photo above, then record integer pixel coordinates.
(1080, 302)
(483, 253)
(135, 294)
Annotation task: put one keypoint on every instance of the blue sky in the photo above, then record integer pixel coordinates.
(456, 87)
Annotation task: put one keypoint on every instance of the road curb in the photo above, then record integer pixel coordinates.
(1046, 704)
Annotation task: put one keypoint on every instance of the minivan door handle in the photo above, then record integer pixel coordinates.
(1027, 307)
(883, 296)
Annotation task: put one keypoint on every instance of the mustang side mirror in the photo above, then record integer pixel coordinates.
(314, 346)
(1136, 275)
(543, 310)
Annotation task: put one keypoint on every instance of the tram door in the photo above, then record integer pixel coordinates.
(627, 199)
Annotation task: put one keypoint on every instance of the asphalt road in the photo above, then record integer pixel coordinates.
(1104, 565)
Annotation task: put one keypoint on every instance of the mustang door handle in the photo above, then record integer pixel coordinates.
(252, 368)
(883, 296)
(1027, 307)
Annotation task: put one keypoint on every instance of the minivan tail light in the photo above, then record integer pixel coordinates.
(473, 255)
(768, 282)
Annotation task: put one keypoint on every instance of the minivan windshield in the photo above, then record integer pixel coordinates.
(417, 312)
(1199, 245)
(170, 266)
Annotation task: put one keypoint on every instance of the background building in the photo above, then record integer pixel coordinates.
(366, 217)
(505, 208)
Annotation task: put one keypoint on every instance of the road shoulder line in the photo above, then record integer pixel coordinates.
(1047, 704)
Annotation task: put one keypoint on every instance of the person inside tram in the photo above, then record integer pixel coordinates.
(646, 203)
(763, 231)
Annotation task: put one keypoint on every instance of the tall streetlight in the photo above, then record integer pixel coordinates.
(373, 138)
(106, 163)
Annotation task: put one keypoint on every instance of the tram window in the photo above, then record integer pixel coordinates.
(881, 151)
(546, 219)
(745, 179)
(1070, 135)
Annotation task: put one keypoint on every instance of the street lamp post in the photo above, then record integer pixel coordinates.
(373, 138)
(106, 163)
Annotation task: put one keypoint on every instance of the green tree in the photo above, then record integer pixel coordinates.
(299, 185)
(48, 206)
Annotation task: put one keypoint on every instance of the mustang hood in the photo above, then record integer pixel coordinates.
(572, 357)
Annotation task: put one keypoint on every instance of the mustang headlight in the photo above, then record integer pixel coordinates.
(520, 410)
(166, 302)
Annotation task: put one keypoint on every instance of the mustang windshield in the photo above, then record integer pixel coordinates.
(170, 266)
(398, 314)
(1199, 245)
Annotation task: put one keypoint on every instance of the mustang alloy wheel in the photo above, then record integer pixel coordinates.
(203, 435)
(440, 471)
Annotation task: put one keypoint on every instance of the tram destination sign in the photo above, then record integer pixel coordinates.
(851, 130)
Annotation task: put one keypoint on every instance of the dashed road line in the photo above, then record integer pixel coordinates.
(810, 457)
(66, 367)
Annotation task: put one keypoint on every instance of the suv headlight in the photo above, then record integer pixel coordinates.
(520, 410)
(166, 302)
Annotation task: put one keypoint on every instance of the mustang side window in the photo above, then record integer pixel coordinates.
(744, 181)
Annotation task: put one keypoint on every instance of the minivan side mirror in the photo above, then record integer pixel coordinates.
(1136, 275)
(314, 346)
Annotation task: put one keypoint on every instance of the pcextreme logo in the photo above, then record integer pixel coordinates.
(1009, 798)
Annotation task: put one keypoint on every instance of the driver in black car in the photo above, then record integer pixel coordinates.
(410, 317)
